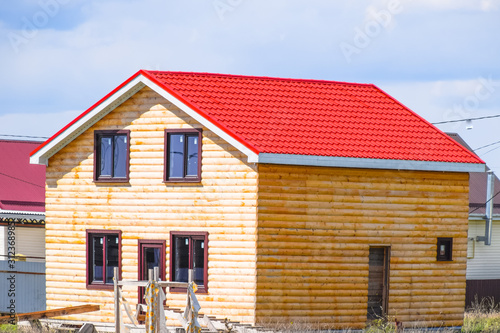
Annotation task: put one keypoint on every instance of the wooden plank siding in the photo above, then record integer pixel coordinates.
(315, 228)
(224, 204)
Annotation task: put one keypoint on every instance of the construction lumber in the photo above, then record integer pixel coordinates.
(31, 316)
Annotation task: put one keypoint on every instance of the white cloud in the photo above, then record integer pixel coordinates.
(429, 56)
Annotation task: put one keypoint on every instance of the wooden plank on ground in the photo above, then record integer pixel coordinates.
(52, 313)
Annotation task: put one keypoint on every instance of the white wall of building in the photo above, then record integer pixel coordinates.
(484, 260)
(30, 241)
(3, 242)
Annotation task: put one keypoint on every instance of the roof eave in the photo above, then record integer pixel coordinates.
(482, 217)
(91, 116)
(86, 120)
(22, 214)
(202, 118)
(369, 163)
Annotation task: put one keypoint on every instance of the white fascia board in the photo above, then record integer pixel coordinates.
(252, 157)
(368, 163)
(81, 125)
(22, 214)
(479, 217)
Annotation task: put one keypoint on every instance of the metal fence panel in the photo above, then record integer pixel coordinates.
(23, 285)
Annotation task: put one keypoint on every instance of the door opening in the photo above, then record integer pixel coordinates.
(151, 254)
(378, 282)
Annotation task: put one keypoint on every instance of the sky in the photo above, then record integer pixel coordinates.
(439, 58)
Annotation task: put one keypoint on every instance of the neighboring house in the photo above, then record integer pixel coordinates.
(483, 261)
(22, 226)
(292, 200)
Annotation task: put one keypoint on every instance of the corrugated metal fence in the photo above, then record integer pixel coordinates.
(23, 285)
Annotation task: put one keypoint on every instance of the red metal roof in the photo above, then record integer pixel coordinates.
(306, 117)
(312, 117)
(22, 185)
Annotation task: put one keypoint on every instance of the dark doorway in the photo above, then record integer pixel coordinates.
(378, 282)
(151, 254)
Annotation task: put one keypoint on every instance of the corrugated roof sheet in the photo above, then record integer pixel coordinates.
(22, 185)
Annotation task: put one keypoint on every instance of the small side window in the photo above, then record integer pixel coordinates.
(444, 249)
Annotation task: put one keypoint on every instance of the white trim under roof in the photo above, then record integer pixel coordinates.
(88, 120)
(81, 125)
(252, 157)
(368, 163)
(140, 81)
(22, 214)
(481, 217)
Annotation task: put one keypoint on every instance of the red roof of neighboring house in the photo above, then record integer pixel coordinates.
(22, 185)
(478, 182)
(305, 117)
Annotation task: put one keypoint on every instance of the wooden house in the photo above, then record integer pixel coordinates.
(292, 200)
(22, 199)
(22, 227)
(483, 260)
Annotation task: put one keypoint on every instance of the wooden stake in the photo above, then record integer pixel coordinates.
(117, 300)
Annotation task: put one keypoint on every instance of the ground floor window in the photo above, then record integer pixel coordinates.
(189, 251)
(103, 255)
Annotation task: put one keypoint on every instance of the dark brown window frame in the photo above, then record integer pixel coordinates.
(197, 234)
(166, 178)
(90, 233)
(448, 242)
(97, 157)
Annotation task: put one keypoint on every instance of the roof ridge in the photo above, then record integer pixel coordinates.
(270, 78)
(253, 113)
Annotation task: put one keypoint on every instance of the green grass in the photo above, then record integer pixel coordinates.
(483, 316)
(7, 328)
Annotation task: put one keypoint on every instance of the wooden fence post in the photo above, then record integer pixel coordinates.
(117, 299)
(156, 274)
(190, 275)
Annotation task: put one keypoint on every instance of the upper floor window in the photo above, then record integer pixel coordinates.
(111, 151)
(183, 155)
(103, 255)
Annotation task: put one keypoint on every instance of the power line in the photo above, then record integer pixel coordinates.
(21, 180)
(485, 202)
(490, 151)
(491, 144)
(25, 136)
(459, 120)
